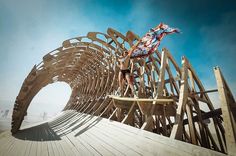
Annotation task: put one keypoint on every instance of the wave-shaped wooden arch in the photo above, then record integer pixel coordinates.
(89, 65)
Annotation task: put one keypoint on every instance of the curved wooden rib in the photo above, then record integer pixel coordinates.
(170, 96)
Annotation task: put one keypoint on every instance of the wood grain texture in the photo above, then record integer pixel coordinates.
(82, 134)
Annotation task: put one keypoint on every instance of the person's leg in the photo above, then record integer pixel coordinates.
(127, 76)
(121, 83)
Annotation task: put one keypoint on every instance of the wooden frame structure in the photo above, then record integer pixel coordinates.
(173, 101)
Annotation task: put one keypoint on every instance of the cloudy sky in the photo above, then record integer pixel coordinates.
(32, 28)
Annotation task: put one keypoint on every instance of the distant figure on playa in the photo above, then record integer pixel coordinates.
(124, 73)
(44, 115)
(1, 112)
(5, 114)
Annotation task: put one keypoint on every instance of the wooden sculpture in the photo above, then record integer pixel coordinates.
(171, 97)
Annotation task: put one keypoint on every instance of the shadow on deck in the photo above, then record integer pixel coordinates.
(50, 131)
(41, 132)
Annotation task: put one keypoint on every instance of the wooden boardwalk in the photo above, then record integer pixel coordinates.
(72, 133)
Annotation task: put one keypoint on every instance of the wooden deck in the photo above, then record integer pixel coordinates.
(73, 133)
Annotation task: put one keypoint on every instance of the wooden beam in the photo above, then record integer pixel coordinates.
(148, 124)
(191, 124)
(161, 79)
(129, 118)
(207, 91)
(207, 115)
(158, 101)
(177, 129)
(229, 121)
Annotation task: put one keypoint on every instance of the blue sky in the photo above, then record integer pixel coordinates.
(32, 28)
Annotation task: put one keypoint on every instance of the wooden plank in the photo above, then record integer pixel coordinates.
(102, 150)
(5, 140)
(71, 146)
(34, 149)
(11, 147)
(229, 121)
(50, 148)
(27, 151)
(80, 139)
(98, 136)
(88, 138)
(107, 109)
(153, 78)
(163, 119)
(55, 149)
(22, 146)
(106, 142)
(102, 106)
(59, 123)
(206, 91)
(179, 146)
(191, 124)
(158, 101)
(148, 124)
(113, 142)
(192, 84)
(161, 78)
(64, 125)
(39, 139)
(129, 118)
(123, 104)
(81, 121)
(58, 150)
(132, 145)
(177, 129)
(44, 148)
(86, 144)
(139, 144)
(56, 122)
(79, 146)
(65, 150)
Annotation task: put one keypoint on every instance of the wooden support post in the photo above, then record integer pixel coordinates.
(105, 103)
(191, 80)
(177, 129)
(191, 124)
(158, 123)
(229, 120)
(119, 114)
(161, 79)
(113, 115)
(107, 109)
(129, 118)
(214, 145)
(153, 80)
(164, 127)
(148, 124)
(141, 90)
(160, 87)
(203, 137)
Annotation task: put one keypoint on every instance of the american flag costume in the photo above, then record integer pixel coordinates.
(149, 43)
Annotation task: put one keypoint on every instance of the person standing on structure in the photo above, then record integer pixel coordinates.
(126, 67)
